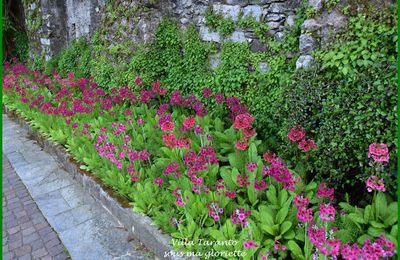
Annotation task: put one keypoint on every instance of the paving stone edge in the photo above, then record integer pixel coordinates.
(139, 225)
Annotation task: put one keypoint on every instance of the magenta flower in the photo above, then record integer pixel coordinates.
(379, 152)
(296, 133)
(251, 166)
(249, 244)
(374, 183)
(144, 155)
(260, 185)
(243, 121)
(326, 212)
(138, 81)
(207, 92)
(304, 214)
(219, 98)
(189, 122)
(241, 145)
(158, 181)
(324, 191)
(239, 216)
(306, 144)
(167, 126)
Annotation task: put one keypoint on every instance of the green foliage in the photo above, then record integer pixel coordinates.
(348, 102)
(370, 222)
(226, 27)
(232, 75)
(21, 45)
(330, 4)
(75, 58)
(102, 70)
(212, 20)
(311, 12)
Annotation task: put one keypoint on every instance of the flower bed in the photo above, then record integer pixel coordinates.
(199, 174)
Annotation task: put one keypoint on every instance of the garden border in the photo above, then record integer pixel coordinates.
(138, 225)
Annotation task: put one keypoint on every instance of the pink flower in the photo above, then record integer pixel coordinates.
(241, 181)
(378, 149)
(158, 181)
(144, 155)
(219, 98)
(351, 252)
(239, 216)
(305, 145)
(249, 132)
(260, 185)
(134, 174)
(269, 156)
(373, 183)
(139, 121)
(241, 145)
(296, 133)
(326, 212)
(243, 121)
(300, 201)
(251, 166)
(207, 92)
(198, 130)
(167, 126)
(138, 81)
(304, 214)
(189, 122)
(249, 244)
(379, 152)
(180, 202)
(324, 191)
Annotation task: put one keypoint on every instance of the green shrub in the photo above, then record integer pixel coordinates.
(75, 58)
(348, 102)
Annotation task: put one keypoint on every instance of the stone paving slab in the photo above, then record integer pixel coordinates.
(26, 233)
(86, 229)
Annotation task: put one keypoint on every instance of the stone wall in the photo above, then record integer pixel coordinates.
(51, 24)
(131, 21)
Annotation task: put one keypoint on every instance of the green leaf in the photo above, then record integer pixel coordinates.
(367, 213)
(362, 238)
(271, 195)
(285, 227)
(295, 249)
(269, 229)
(267, 215)
(377, 224)
(356, 218)
(375, 232)
(281, 216)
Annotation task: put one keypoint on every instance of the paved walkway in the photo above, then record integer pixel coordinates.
(85, 228)
(26, 233)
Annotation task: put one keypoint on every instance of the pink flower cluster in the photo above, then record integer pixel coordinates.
(325, 245)
(304, 214)
(324, 192)
(379, 152)
(243, 122)
(381, 248)
(239, 216)
(297, 133)
(281, 174)
(214, 210)
(374, 183)
(249, 244)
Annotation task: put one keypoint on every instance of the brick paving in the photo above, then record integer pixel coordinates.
(26, 233)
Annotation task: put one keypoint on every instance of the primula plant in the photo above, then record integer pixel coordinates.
(201, 175)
